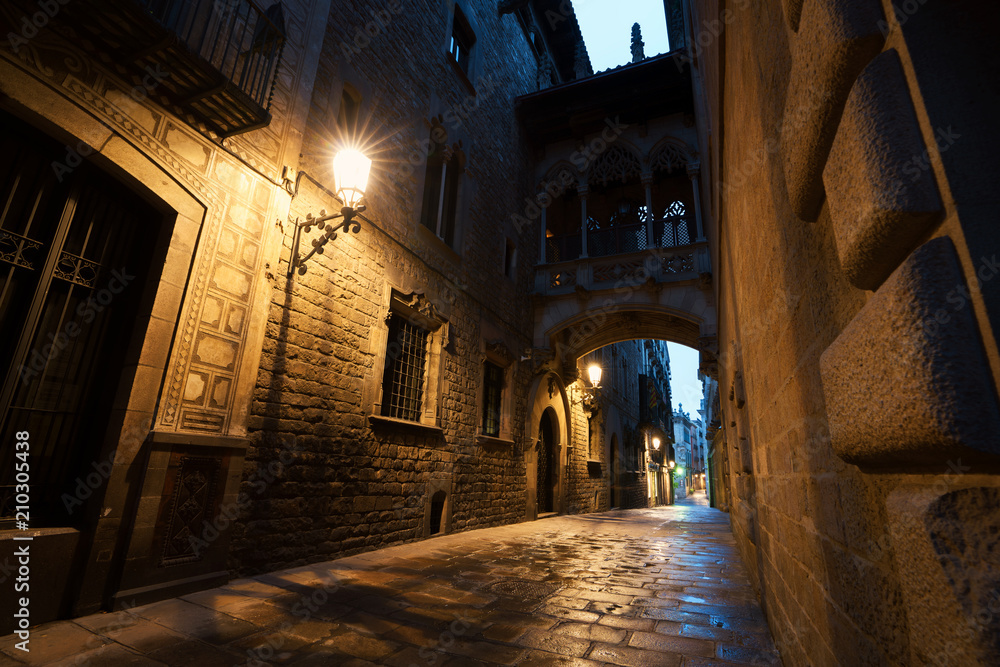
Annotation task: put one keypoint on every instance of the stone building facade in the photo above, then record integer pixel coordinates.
(161, 169)
(853, 163)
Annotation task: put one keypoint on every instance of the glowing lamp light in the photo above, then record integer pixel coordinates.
(656, 443)
(350, 176)
(679, 471)
(595, 374)
(671, 464)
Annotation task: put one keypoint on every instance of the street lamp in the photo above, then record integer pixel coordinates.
(594, 372)
(350, 177)
(588, 395)
(656, 443)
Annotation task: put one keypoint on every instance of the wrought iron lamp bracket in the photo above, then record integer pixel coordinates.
(348, 223)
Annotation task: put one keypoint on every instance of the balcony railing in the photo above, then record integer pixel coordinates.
(217, 60)
(687, 262)
(619, 240)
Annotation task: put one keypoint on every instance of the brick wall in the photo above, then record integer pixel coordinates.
(343, 485)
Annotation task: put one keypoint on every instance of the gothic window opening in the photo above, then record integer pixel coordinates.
(616, 206)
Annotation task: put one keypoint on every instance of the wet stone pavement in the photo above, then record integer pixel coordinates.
(661, 586)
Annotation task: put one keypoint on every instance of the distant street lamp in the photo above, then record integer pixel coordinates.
(350, 176)
(595, 375)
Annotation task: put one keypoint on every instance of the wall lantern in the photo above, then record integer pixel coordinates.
(588, 395)
(350, 176)
(656, 443)
(671, 464)
(594, 372)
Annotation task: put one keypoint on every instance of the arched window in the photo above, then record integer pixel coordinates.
(672, 195)
(616, 206)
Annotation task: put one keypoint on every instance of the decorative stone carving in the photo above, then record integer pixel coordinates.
(499, 350)
(615, 164)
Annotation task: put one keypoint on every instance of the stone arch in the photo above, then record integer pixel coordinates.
(557, 174)
(548, 397)
(589, 329)
(670, 154)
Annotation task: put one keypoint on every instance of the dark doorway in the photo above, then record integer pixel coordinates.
(437, 511)
(76, 249)
(547, 465)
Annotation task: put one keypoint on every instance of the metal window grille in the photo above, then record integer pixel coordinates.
(492, 394)
(403, 383)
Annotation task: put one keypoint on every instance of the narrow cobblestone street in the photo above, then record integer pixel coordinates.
(660, 586)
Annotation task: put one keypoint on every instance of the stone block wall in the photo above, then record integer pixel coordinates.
(323, 478)
(856, 321)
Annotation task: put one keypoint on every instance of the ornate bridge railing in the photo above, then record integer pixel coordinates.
(624, 270)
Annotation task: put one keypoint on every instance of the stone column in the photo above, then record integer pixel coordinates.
(582, 191)
(694, 170)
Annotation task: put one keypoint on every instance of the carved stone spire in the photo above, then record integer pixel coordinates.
(638, 53)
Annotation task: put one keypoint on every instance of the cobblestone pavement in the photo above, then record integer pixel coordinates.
(660, 586)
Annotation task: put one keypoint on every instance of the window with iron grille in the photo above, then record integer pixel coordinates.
(403, 382)
(492, 398)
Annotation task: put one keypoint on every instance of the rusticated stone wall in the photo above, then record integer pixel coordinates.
(323, 477)
(858, 361)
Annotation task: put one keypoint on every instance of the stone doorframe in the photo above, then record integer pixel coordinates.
(547, 392)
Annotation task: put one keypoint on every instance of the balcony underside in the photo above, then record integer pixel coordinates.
(164, 67)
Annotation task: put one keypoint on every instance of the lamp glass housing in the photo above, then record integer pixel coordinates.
(656, 443)
(350, 175)
(595, 374)
(671, 464)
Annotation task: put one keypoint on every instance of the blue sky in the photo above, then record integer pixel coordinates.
(607, 29)
(685, 387)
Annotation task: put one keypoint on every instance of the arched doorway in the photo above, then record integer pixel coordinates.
(548, 464)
